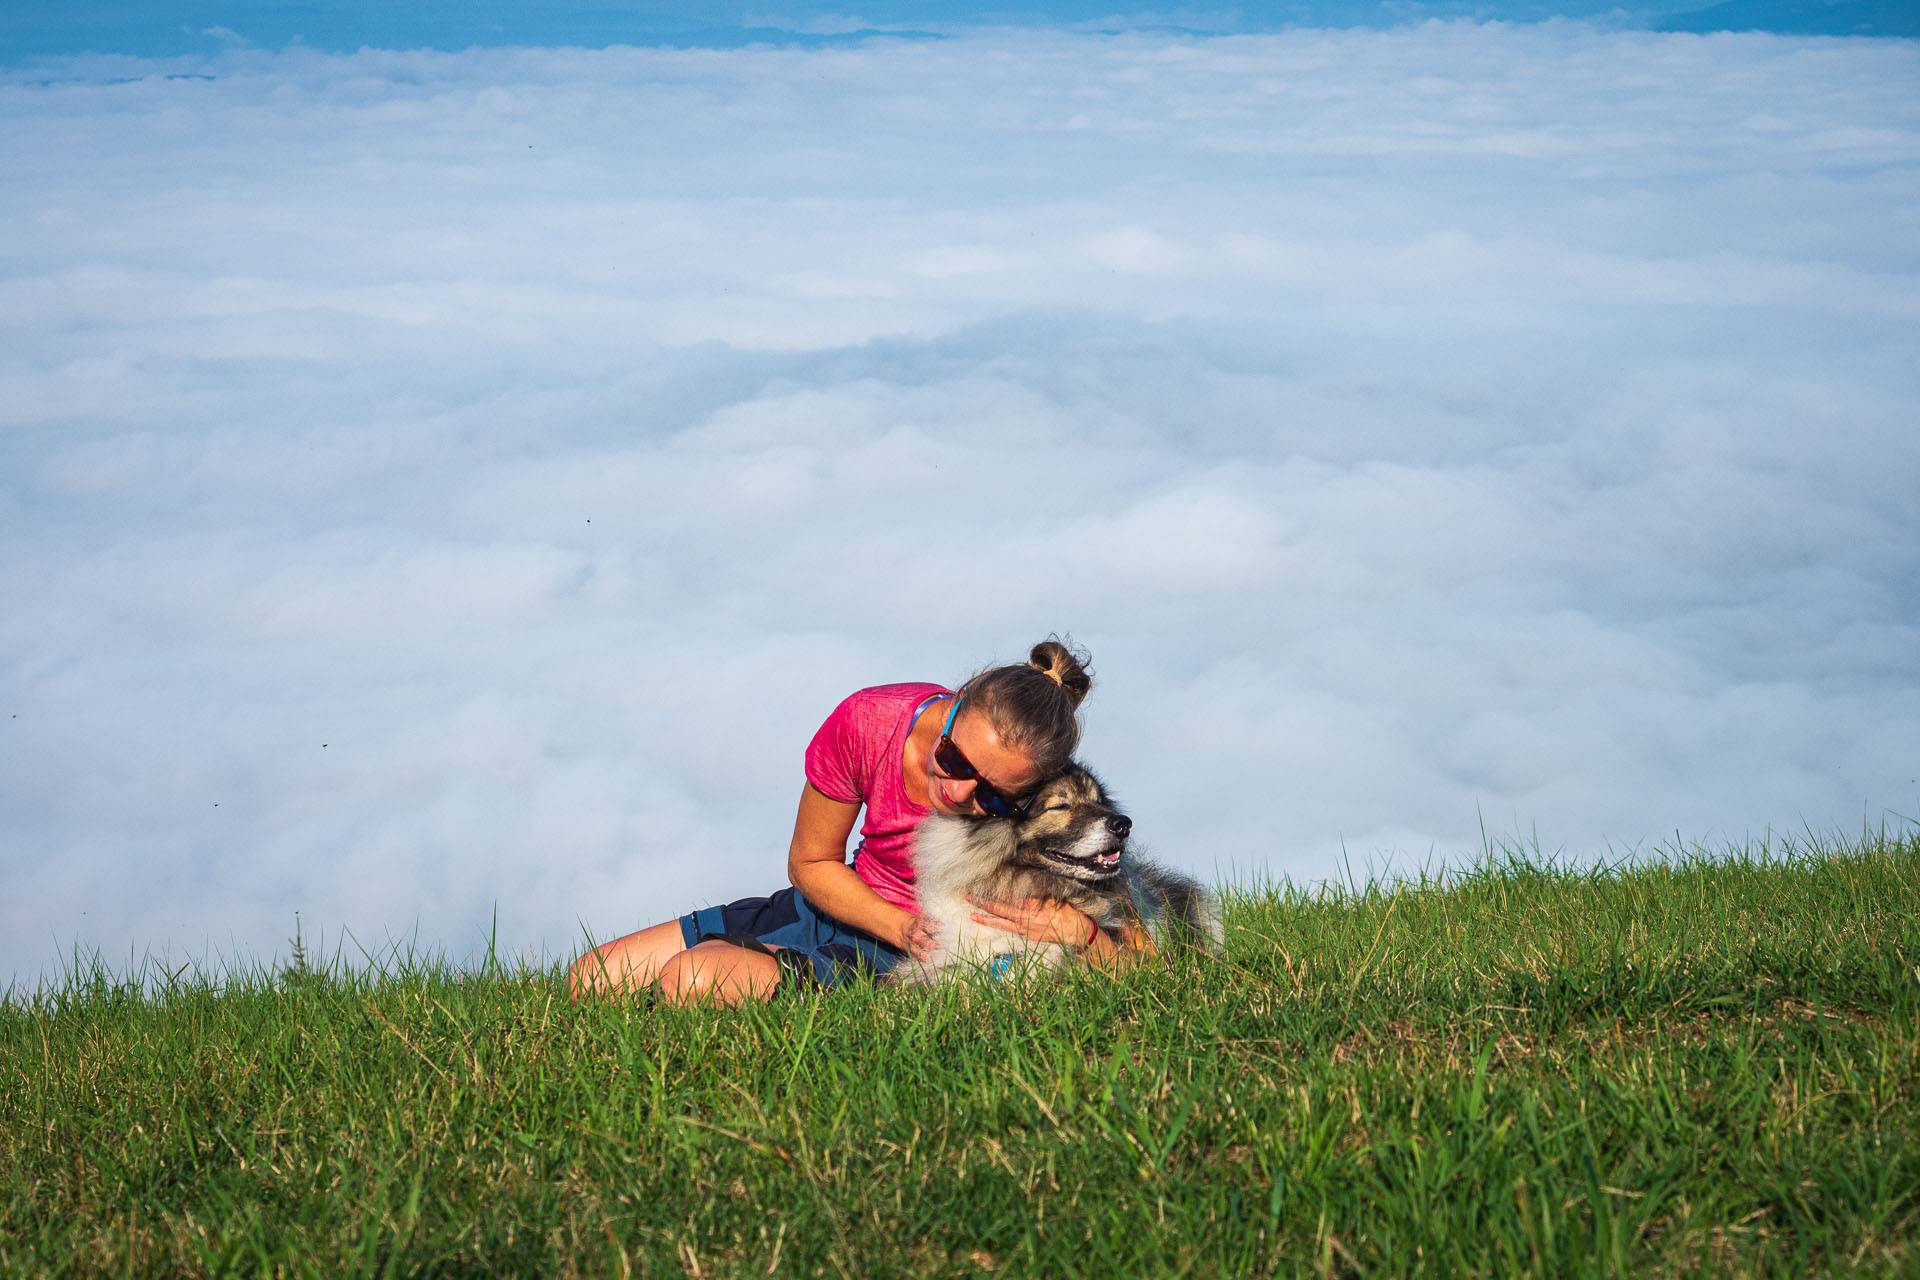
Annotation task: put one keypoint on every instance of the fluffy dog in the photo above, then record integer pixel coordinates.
(1070, 845)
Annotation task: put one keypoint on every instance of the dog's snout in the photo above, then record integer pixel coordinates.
(1120, 824)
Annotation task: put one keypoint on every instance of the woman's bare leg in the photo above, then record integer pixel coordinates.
(718, 972)
(626, 964)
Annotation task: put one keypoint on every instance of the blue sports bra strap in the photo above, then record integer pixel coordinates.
(925, 702)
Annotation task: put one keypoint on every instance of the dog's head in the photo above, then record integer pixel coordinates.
(1072, 829)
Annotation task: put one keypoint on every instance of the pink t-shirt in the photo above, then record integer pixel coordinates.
(855, 758)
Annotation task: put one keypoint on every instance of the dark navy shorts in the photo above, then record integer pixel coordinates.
(836, 951)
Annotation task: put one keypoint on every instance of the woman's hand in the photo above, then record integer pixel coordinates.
(1041, 919)
(917, 938)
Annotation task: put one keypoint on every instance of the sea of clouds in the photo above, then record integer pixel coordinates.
(442, 493)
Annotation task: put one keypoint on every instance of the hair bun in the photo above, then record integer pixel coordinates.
(1064, 665)
(1034, 705)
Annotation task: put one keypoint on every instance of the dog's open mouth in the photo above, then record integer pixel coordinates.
(1102, 861)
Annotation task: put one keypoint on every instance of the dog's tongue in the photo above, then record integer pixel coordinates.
(1107, 859)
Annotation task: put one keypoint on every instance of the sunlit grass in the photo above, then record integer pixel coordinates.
(1705, 1065)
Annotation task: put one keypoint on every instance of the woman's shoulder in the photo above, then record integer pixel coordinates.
(880, 709)
(883, 704)
(899, 694)
(852, 746)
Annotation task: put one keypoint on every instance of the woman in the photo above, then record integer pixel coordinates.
(900, 751)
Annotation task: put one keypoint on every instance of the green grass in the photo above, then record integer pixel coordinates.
(1702, 1067)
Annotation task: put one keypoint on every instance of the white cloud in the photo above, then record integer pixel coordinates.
(438, 482)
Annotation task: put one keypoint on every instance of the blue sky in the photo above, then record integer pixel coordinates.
(441, 484)
(167, 28)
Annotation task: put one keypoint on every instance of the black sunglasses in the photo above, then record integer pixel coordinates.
(954, 764)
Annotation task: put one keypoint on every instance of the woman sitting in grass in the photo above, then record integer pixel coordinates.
(901, 751)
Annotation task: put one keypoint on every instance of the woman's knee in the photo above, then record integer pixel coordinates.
(720, 972)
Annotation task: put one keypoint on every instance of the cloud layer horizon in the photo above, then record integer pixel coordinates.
(32, 31)
(441, 488)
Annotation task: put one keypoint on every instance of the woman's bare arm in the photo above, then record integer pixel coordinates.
(817, 866)
(1134, 945)
(1050, 920)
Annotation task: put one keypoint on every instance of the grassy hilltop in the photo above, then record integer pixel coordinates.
(1702, 1067)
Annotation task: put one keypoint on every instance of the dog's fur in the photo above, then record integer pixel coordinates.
(1071, 845)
